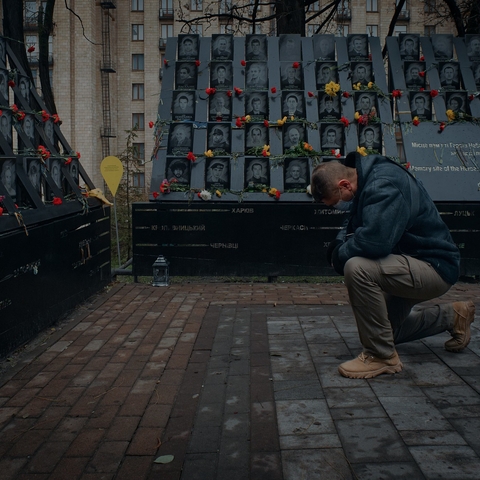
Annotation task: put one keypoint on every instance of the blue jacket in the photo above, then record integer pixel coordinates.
(393, 213)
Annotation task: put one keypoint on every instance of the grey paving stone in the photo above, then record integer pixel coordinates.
(388, 471)
(286, 326)
(266, 466)
(412, 348)
(345, 324)
(296, 442)
(449, 462)
(297, 390)
(473, 381)
(236, 426)
(469, 429)
(416, 414)
(214, 393)
(288, 361)
(344, 397)
(322, 335)
(216, 376)
(205, 439)
(432, 437)
(331, 350)
(455, 395)
(295, 375)
(371, 440)
(329, 377)
(395, 386)
(472, 411)
(221, 347)
(282, 343)
(307, 321)
(234, 454)
(433, 373)
(209, 415)
(328, 463)
(199, 466)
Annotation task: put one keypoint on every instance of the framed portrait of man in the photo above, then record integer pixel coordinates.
(220, 107)
(6, 125)
(217, 173)
(357, 46)
(3, 87)
(256, 48)
(183, 105)
(33, 169)
(219, 137)
(8, 176)
(178, 170)
(326, 72)
(442, 44)
(449, 75)
(185, 75)
(362, 73)
(188, 46)
(476, 73)
(54, 166)
(28, 127)
(293, 136)
(256, 77)
(328, 108)
(296, 173)
(74, 170)
(366, 103)
(180, 139)
(293, 104)
(409, 43)
(290, 48)
(472, 42)
(256, 135)
(331, 137)
(415, 77)
(370, 137)
(221, 75)
(457, 102)
(222, 46)
(256, 105)
(49, 130)
(256, 172)
(324, 47)
(291, 78)
(23, 83)
(421, 105)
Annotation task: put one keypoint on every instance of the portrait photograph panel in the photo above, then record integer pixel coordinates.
(256, 105)
(296, 173)
(413, 78)
(183, 105)
(331, 137)
(180, 139)
(8, 176)
(473, 46)
(362, 73)
(49, 130)
(6, 125)
(256, 135)
(293, 104)
(357, 46)
(326, 72)
(54, 166)
(256, 48)
(218, 138)
(222, 46)
(185, 75)
(476, 73)
(3, 87)
(220, 107)
(256, 75)
(188, 47)
(370, 137)
(32, 167)
(366, 103)
(293, 135)
(442, 44)
(28, 127)
(290, 48)
(291, 78)
(324, 47)
(421, 105)
(217, 173)
(457, 101)
(409, 43)
(328, 107)
(23, 83)
(178, 170)
(449, 75)
(221, 75)
(256, 172)
(74, 170)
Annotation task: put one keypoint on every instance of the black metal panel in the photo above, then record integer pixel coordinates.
(49, 271)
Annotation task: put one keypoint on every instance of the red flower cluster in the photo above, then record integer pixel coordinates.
(433, 93)
(45, 116)
(397, 93)
(229, 93)
(191, 156)
(238, 91)
(273, 89)
(363, 119)
(210, 90)
(346, 94)
(20, 115)
(43, 152)
(56, 118)
(151, 124)
(164, 187)
(310, 94)
(14, 108)
(31, 49)
(345, 121)
(11, 83)
(265, 122)
(57, 201)
(296, 65)
(197, 63)
(334, 152)
(243, 63)
(238, 122)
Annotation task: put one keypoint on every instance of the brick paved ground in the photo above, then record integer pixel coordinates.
(235, 381)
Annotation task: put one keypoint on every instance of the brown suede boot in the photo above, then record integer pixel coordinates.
(464, 316)
(368, 366)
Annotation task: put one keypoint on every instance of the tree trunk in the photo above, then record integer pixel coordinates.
(456, 17)
(290, 16)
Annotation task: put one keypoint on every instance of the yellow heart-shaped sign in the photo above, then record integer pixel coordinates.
(111, 169)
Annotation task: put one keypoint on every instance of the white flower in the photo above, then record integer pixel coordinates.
(337, 152)
(205, 195)
(309, 189)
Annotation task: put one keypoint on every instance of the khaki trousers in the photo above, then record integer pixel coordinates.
(383, 293)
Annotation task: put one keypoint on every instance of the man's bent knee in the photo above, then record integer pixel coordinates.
(358, 268)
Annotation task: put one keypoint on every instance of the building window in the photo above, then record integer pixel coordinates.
(139, 151)
(372, 6)
(342, 30)
(197, 29)
(137, 33)
(312, 30)
(137, 5)
(252, 6)
(138, 121)
(225, 6)
(166, 8)
(226, 29)
(399, 29)
(315, 6)
(138, 61)
(31, 13)
(372, 30)
(430, 6)
(167, 31)
(429, 30)
(138, 91)
(196, 5)
(34, 77)
(31, 41)
(256, 30)
(139, 179)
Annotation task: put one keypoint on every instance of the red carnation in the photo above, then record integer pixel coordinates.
(191, 156)
(273, 89)
(433, 93)
(265, 122)
(31, 49)
(238, 122)
(78, 155)
(45, 116)
(277, 195)
(197, 63)
(296, 65)
(422, 58)
(311, 94)
(345, 121)
(422, 89)
(155, 194)
(14, 108)
(151, 124)
(11, 83)
(397, 93)
(422, 74)
(238, 91)
(346, 94)
(57, 201)
(210, 90)
(56, 118)
(243, 63)
(229, 93)
(408, 165)
(416, 122)
(165, 62)
(442, 127)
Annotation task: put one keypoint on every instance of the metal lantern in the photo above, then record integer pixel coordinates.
(160, 272)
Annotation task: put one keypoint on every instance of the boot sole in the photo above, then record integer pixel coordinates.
(386, 369)
(468, 335)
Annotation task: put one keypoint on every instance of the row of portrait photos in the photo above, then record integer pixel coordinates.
(33, 168)
(256, 172)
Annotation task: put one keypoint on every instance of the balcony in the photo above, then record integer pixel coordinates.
(404, 15)
(165, 13)
(162, 43)
(107, 132)
(108, 66)
(344, 14)
(107, 4)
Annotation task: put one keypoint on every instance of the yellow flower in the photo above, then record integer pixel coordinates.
(370, 85)
(450, 115)
(292, 118)
(362, 151)
(264, 190)
(208, 153)
(357, 115)
(218, 193)
(272, 191)
(266, 147)
(332, 88)
(248, 118)
(282, 121)
(307, 146)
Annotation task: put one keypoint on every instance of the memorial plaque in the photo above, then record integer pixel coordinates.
(413, 79)
(256, 172)
(256, 105)
(421, 105)
(293, 135)
(457, 102)
(3, 87)
(291, 77)
(219, 137)
(326, 72)
(449, 75)
(23, 83)
(188, 47)
(183, 105)
(54, 166)
(370, 137)
(220, 108)
(32, 167)
(74, 170)
(442, 46)
(217, 173)
(366, 103)
(8, 176)
(290, 48)
(357, 46)
(256, 76)
(256, 135)
(222, 47)
(409, 46)
(476, 73)
(256, 48)
(6, 125)
(185, 75)
(180, 139)
(28, 126)
(296, 172)
(331, 137)
(329, 107)
(221, 75)
(178, 170)
(361, 73)
(324, 47)
(473, 47)
(49, 130)
(293, 104)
